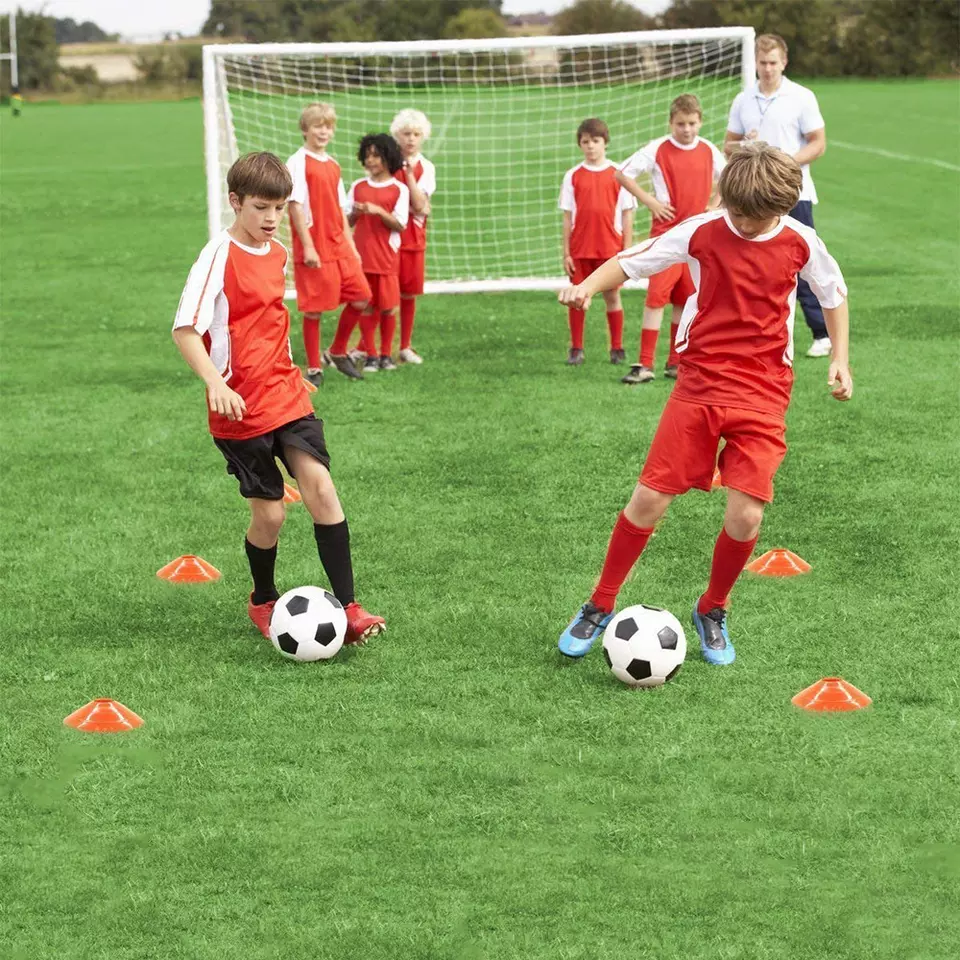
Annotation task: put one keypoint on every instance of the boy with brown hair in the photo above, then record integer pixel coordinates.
(233, 330)
(735, 346)
(597, 224)
(684, 168)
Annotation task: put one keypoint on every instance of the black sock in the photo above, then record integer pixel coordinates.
(262, 563)
(333, 545)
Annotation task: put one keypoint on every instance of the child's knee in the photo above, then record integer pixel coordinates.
(612, 299)
(268, 515)
(744, 517)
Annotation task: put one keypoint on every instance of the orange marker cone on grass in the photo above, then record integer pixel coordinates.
(189, 569)
(831, 693)
(779, 563)
(103, 716)
(291, 494)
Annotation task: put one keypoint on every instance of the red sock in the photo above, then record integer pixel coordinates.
(388, 329)
(408, 310)
(368, 328)
(615, 327)
(648, 346)
(347, 323)
(626, 545)
(576, 328)
(673, 359)
(311, 341)
(729, 558)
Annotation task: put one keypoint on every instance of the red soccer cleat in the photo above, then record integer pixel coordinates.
(361, 626)
(260, 614)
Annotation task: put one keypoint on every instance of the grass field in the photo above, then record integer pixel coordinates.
(456, 790)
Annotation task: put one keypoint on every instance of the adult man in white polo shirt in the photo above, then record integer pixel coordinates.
(785, 115)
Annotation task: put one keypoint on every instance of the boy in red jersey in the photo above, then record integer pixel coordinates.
(378, 208)
(684, 169)
(735, 346)
(326, 266)
(234, 332)
(410, 128)
(597, 224)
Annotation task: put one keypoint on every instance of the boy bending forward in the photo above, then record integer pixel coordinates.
(735, 347)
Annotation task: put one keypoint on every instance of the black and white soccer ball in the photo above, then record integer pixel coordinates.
(308, 624)
(644, 646)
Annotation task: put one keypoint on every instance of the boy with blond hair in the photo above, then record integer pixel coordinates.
(326, 266)
(410, 128)
(233, 330)
(735, 346)
(597, 223)
(684, 169)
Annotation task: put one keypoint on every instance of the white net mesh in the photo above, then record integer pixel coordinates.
(504, 125)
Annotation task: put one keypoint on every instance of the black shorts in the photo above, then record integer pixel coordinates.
(254, 461)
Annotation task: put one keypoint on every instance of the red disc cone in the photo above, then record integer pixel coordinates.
(291, 494)
(103, 716)
(779, 563)
(831, 693)
(189, 569)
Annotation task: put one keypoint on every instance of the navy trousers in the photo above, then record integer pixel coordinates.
(812, 311)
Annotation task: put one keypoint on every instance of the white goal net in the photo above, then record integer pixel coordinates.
(504, 115)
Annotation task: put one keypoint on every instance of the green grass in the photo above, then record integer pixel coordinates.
(455, 790)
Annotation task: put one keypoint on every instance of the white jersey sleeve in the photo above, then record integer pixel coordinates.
(643, 161)
(342, 195)
(348, 197)
(626, 200)
(428, 178)
(567, 201)
(402, 208)
(719, 161)
(656, 254)
(203, 302)
(821, 271)
(735, 122)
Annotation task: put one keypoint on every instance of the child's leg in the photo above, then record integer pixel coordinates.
(649, 333)
(741, 527)
(388, 329)
(576, 319)
(408, 311)
(368, 328)
(349, 318)
(630, 534)
(311, 340)
(266, 519)
(614, 318)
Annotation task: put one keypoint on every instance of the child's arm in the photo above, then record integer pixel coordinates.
(389, 220)
(220, 397)
(567, 230)
(419, 201)
(607, 277)
(299, 221)
(659, 211)
(839, 378)
(627, 225)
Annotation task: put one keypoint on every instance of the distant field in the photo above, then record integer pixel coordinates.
(455, 790)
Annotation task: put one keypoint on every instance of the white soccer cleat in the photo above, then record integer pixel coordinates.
(820, 348)
(409, 355)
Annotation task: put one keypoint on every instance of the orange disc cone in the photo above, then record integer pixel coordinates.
(103, 716)
(189, 569)
(291, 494)
(831, 693)
(779, 563)
(717, 481)
(310, 387)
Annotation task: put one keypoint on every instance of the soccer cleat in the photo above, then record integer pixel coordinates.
(357, 356)
(638, 374)
(260, 614)
(371, 364)
(409, 355)
(670, 371)
(618, 356)
(315, 376)
(386, 363)
(361, 626)
(574, 357)
(325, 359)
(820, 347)
(715, 642)
(346, 366)
(582, 630)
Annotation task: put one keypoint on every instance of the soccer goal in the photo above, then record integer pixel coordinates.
(504, 115)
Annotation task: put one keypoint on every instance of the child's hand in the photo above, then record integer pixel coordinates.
(361, 207)
(840, 380)
(752, 135)
(310, 257)
(224, 401)
(568, 266)
(661, 211)
(576, 297)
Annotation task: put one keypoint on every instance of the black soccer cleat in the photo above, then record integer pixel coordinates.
(346, 366)
(386, 363)
(618, 356)
(315, 377)
(670, 371)
(638, 374)
(574, 357)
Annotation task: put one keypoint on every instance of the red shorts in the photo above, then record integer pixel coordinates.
(327, 286)
(412, 271)
(582, 268)
(684, 449)
(384, 291)
(673, 285)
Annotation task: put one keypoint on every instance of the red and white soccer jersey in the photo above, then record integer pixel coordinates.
(318, 187)
(415, 236)
(234, 299)
(683, 176)
(596, 204)
(735, 340)
(377, 244)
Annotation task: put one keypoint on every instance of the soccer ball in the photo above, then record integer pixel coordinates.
(644, 646)
(308, 624)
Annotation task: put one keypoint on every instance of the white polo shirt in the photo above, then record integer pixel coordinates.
(781, 120)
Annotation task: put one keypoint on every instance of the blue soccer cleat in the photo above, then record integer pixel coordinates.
(582, 630)
(715, 642)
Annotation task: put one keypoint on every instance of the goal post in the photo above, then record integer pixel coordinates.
(504, 114)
